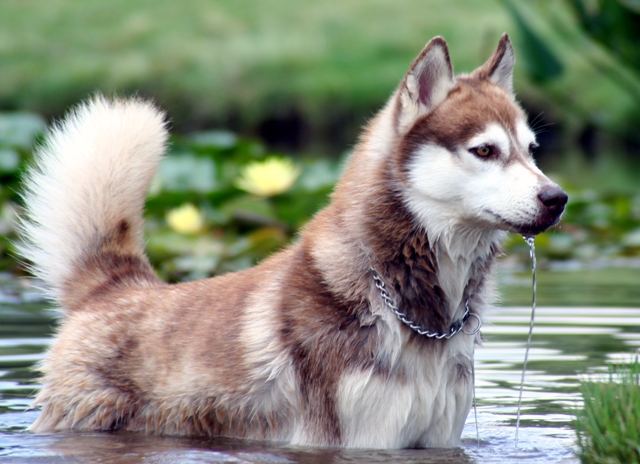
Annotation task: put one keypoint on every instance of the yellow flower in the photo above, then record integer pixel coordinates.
(269, 177)
(185, 219)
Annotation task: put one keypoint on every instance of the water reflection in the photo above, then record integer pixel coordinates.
(134, 448)
(567, 343)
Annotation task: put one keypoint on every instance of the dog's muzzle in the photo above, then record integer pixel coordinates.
(552, 200)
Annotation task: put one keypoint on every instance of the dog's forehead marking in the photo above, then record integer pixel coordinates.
(494, 134)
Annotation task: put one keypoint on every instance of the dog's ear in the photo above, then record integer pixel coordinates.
(499, 68)
(426, 84)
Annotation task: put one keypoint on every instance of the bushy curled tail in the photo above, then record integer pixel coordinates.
(84, 197)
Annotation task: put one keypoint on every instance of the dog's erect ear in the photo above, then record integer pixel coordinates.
(499, 68)
(426, 84)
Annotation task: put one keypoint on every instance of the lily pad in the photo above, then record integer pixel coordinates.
(20, 130)
(9, 160)
(186, 172)
(219, 140)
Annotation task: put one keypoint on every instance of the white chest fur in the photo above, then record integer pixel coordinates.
(422, 402)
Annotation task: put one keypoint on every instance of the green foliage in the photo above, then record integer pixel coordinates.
(18, 133)
(329, 64)
(226, 228)
(201, 169)
(596, 225)
(239, 228)
(224, 59)
(608, 425)
(613, 23)
(568, 49)
(542, 64)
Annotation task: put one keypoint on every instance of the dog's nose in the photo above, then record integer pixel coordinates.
(553, 197)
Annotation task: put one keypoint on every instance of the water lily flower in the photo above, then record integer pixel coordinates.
(269, 177)
(185, 219)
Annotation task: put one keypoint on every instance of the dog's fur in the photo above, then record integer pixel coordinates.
(299, 349)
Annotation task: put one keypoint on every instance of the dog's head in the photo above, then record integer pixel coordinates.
(465, 149)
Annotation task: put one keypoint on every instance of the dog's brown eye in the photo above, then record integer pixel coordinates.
(532, 148)
(483, 151)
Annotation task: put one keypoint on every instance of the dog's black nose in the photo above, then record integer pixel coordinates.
(553, 197)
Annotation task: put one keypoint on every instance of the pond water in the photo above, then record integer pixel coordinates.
(569, 342)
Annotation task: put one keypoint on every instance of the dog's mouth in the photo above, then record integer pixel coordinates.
(542, 223)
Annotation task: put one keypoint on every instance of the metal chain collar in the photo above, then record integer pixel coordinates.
(455, 328)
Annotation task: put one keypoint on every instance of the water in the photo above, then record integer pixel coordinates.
(570, 342)
(531, 241)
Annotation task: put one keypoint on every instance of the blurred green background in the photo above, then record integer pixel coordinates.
(266, 99)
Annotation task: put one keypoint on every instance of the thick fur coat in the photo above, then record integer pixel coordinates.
(300, 349)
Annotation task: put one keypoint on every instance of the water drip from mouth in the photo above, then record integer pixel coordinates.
(532, 254)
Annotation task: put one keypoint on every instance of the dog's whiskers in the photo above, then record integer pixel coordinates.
(538, 124)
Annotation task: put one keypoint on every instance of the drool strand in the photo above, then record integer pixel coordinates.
(532, 254)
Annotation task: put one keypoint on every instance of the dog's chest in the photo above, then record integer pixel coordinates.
(453, 276)
(423, 401)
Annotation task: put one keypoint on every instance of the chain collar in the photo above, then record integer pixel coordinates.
(455, 327)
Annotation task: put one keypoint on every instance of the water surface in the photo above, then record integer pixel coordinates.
(568, 342)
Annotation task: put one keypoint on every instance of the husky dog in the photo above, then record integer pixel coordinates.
(359, 334)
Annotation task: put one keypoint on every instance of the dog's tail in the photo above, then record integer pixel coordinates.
(84, 196)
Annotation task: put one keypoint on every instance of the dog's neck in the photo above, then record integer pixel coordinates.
(430, 273)
(429, 264)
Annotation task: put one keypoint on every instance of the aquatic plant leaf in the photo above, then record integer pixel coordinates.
(186, 172)
(249, 208)
(217, 140)
(9, 160)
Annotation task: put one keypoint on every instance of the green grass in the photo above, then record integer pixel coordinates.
(210, 58)
(608, 426)
(239, 62)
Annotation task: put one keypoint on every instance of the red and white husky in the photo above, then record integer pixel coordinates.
(359, 334)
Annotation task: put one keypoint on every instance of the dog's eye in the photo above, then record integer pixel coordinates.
(532, 148)
(484, 151)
